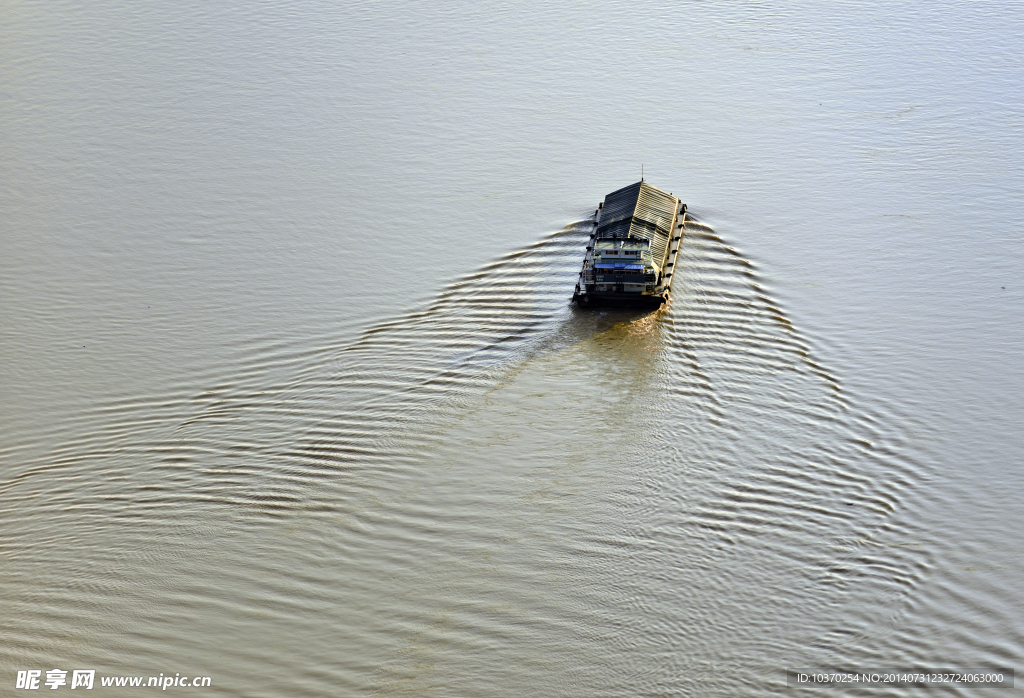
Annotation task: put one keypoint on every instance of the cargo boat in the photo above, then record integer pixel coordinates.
(632, 249)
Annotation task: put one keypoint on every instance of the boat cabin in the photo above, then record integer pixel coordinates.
(623, 265)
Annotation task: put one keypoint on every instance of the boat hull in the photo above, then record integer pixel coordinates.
(619, 300)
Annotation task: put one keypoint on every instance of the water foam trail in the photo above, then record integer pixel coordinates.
(763, 449)
(375, 406)
(256, 442)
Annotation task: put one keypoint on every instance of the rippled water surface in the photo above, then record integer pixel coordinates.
(293, 396)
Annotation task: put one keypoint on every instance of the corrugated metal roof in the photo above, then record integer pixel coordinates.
(639, 210)
(656, 207)
(617, 212)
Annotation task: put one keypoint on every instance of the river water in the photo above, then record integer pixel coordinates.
(293, 396)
